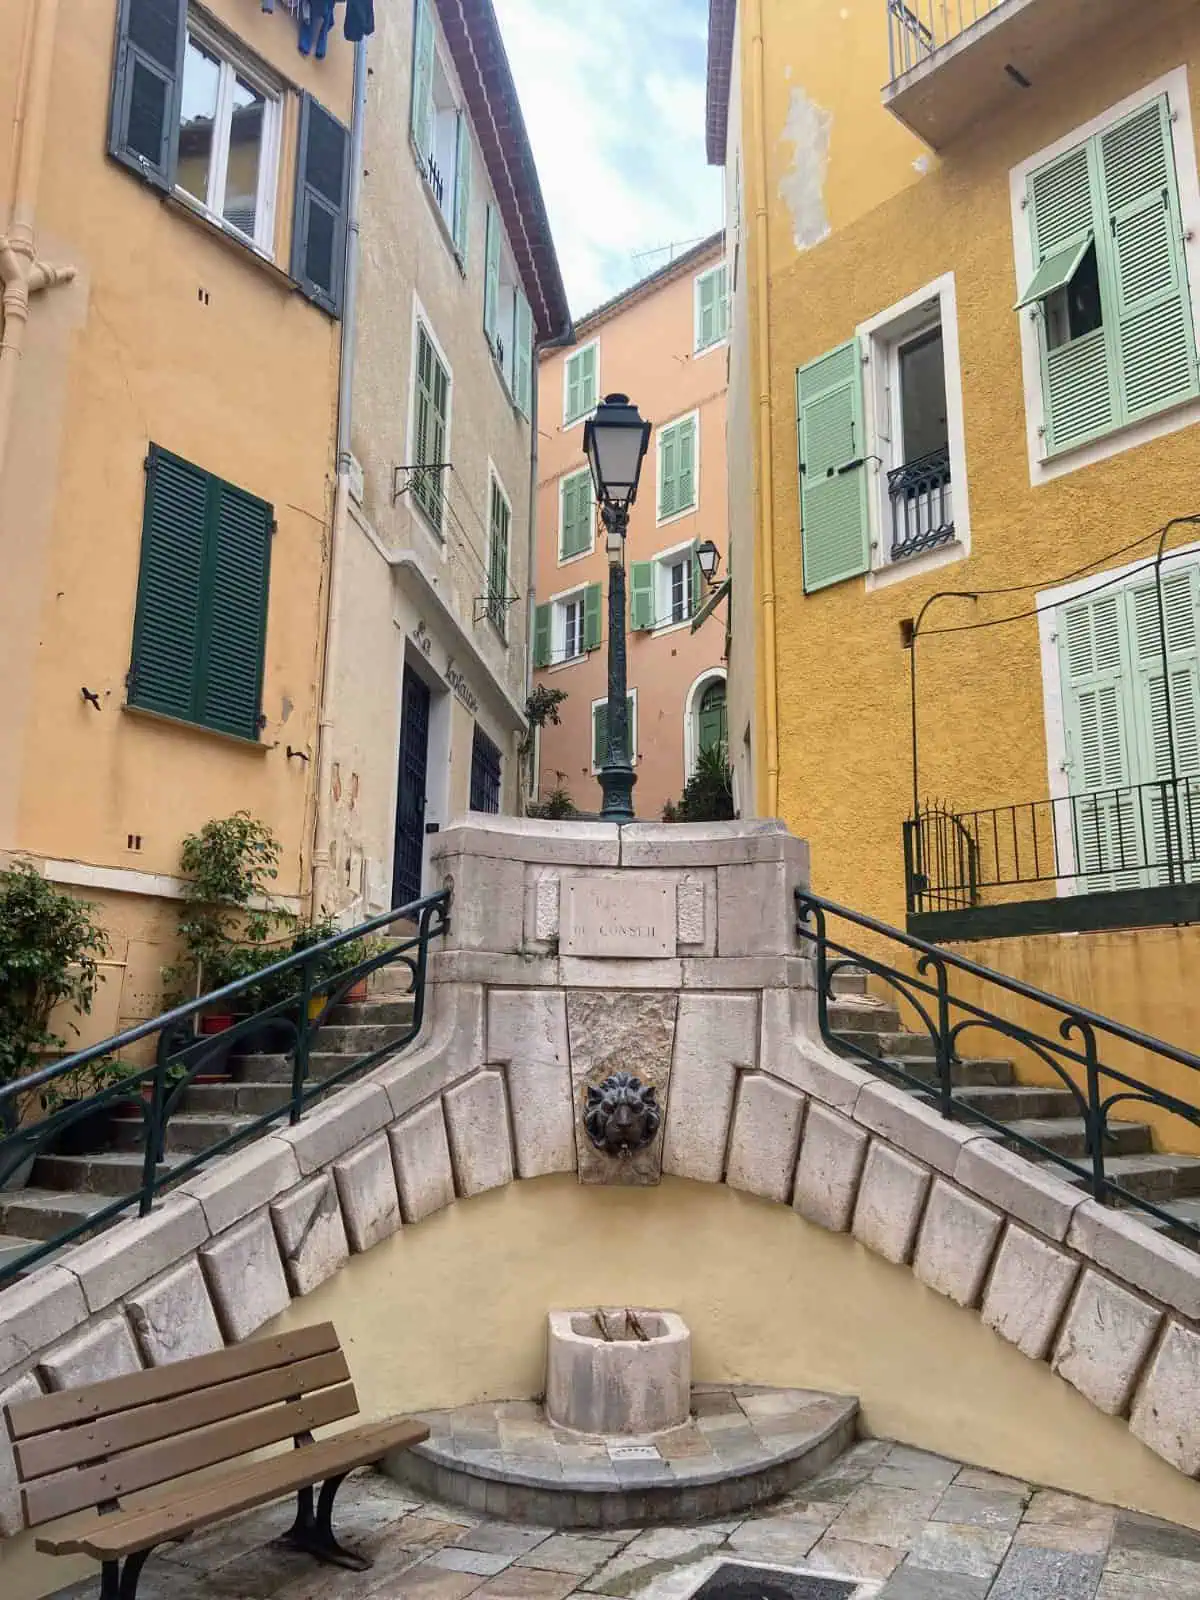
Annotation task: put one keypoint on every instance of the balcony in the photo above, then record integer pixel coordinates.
(922, 508)
(956, 62)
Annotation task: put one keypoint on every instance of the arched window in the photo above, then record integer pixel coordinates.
(712, 731)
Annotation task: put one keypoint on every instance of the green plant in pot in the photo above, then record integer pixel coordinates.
(708, 794)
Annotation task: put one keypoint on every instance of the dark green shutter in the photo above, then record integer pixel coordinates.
(593, 604)
(322, 194)
(600, 730)
(833, 481)
(541, 636)
(164, 663)
(235, 610)
(143, 122)
(431, 399)
(641, 592)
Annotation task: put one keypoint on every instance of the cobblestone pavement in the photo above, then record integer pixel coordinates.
(908, 1525)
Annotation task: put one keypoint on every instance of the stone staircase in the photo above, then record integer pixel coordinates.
(1047, 1115)
(64, 1190)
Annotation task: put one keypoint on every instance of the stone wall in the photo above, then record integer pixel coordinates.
(751, 1100)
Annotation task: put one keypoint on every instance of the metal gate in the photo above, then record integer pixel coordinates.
(410, 790)
(485, 773)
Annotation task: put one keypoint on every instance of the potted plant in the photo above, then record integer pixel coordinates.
(708, 794)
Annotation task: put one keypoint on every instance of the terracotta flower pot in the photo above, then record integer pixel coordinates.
(217, 1022)
(357, 991)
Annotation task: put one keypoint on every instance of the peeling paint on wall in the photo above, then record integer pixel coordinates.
(802, 187)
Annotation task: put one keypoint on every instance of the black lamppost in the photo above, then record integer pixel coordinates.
(615, 440)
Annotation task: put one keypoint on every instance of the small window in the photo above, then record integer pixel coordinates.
(485, 773)
(664, 592)
(712, 308)
(676, 601)
(431, 426)
(581, 383)
(915, 441)
(567, 627)
(500, 521)
(577, 515)
(571, 622)
(678, 478)
(440, 131)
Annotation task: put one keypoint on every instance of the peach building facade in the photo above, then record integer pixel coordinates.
(664, 343)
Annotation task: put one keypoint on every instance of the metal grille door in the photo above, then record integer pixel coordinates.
(485, 773)
(410, 797)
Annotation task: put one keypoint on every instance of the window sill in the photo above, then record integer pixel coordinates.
(580, 555)
(439, 215)
(669, 627)
(573, 422)
(233, 240)
(677, 516)
(143, 713)
(707, 349)
(915, 566)
(569, 661)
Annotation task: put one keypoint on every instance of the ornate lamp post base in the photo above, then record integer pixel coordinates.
(616, 785)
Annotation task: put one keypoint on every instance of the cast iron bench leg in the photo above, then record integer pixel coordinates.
(120, 1583)
(312, 1531)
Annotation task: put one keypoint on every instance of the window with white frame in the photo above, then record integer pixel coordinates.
(581, 383)
(430, 426)
(1104, 225)
(665, 591)
(567, 626)
(675, 599)
(499, 526)
(711, 308)
(600, 730)
(507, 317)
(228, 156)
(440, 129)
(678, 467)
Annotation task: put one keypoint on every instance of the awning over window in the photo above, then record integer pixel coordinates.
(1055, 272)
(711, 604)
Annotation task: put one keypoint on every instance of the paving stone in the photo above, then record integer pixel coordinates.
(910, 1582)
(714, 1036)
(1119, 1586)
(1030, 1574)
(425, 1582)
(781, 1540)
(850, 1559)
(245, 1277)
(1166, 1407)
(422, 1156)
(906, 1468)
(526, 1583)
(890, 1198)
(173, 1316)
(1028, 1291)
(504, 1538)
(981, 1478)
(1069, 1511)
(1152, 1567)
(102, 1349)
(832, 1153)
(35, 1311)
(955, 1245)
(370, 1201)
(1132, 1531)
(1104, 1342)
(423, 1528)
(570, 1552)
(455, 1558)
(480, 1139)
(12, 1518)
(1055, 1536)
(891, 1517)
(981, 1508)
(630, 1570)
(311, 1234)
(954, 1547)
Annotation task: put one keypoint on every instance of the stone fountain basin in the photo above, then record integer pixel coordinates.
(623, 1371)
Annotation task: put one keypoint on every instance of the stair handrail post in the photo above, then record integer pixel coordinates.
(304, 1033)
(944, 1042)
(1097, 1115)
(154, 1124)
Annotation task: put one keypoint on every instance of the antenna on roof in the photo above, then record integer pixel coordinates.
(670, 250)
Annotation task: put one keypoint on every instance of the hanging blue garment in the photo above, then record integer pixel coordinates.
(360, 19)
(316, 19)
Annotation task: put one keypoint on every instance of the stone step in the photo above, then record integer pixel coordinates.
(1068, 1135)
(1016, 1101)
(352, 1013)
(979, 1071)
(278, 1069)
(38, 1214)
(850, 980)
(247, 1099)
(187, 1130)
(357, 1041)
(1185, 1211)
(12, 1248)
(901, 1046)
(863, 1015)
(111, 1173)
(1156, 1177)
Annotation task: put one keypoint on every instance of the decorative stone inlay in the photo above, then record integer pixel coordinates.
(610, 915)
(1028, 1291)
(832, 1154)
(245, 1277)
(890, 1199)
(689, 912)
(1166, 1410)
(955, 1244)
(366, 1186)
(766, 1135)
(620, 1031)
(312, 1237)
(173, 1317)
(480, 1141)
(1104, 1342)
(422, 1156)
(104, 1349)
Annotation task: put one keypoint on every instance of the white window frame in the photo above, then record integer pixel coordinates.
(688, 511)
(879, 338)
(1044, 469)
(493, 477)
(699, 349)
(558, 627)
(662, 563)
(1049, 602)
(235, 63)
(442, 78)
(691, 706)
(570, 356)
(633, 727)
(422, 317)
(580, 555)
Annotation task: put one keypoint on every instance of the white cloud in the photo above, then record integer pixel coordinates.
(613, 97)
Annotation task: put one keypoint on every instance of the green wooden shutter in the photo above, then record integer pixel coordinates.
(431, 400)
(668, 471)
(580, 380)
(686, 481)
(641, 590)
(600, 730)
(501, 518)
(462, 186)
(165, 658)
(235, 610)
(1179, 810)
(421, 124)
(322, 202)
(1101, 744)
(593, 607)
(541, 636)
(710, 720)
(834, 529)
(722, 302)
(697, 582)
(523, 356)
(587, 380)
(491, 278)
(712, 310)
(1154, 335)
(577, 514)
(143, 121)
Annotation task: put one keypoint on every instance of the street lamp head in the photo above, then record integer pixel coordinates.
(615, 439)
(709, 558)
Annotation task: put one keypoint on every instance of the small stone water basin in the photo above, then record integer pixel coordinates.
(618, 1371)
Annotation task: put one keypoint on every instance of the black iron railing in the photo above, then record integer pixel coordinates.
(1144, 835)
(1077, 1048)
(156, 1090)
(918, 29)
(437, 183)
(922, 505)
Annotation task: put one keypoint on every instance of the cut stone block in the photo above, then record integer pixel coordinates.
(173, 1316)
(35, 1311)
(422, 1156)
(756, 914)
(543, 1117)
(245, 1277)
(1014, 1185)
(366, 1186)
(955, 1244)
(620, 1030)
(103, 1349)
(1166, 1409)
(336, 1127)
(12, 1518)
(489, 897)
(243, 1182)
(913, 1126)
(708, 844)
(1123, 1245)
(133, 1250)
(545, 915)
(890, 1199)
(766, 1135)
(527, 1025)
(1028, 1291)
(1104, 1342)
(689, 911)
(832, 1154)
(480, 1140)
(312, 1238)
(714, 1035)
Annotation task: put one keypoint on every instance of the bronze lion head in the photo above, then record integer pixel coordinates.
(622, 1115)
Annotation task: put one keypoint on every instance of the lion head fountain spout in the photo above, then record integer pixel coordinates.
(622, 1114)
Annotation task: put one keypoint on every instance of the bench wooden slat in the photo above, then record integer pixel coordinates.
(197, 1373)
(146, 1424)
(241, 1489)
(204, 1447)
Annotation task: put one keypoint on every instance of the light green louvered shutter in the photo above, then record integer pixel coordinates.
(523, 356)
(491, 277)
(576, 514)
(697, 582)
(462, 187)
(432, 400)
(668, 471)
(1177, 809)
(593, 607)
(1101, 743)
(712, 308)
(580, 381)
(1154, 337)
(501, 520)
(685, 482)
(833, 481)
(641, 592)
(541, 636)
(600, 730)
(422, 79)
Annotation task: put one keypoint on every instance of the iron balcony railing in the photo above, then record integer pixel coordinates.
(922, 504)
(153, 1093)
(1141, 836)
(1076, 1044)
(436, 182)
(919, 29)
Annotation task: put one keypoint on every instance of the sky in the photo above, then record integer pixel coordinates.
(613, 97)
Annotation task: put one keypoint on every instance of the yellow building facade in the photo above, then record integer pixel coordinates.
(172, 210)
(968, 313)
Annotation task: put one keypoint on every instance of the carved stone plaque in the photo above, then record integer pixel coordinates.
(617, 916)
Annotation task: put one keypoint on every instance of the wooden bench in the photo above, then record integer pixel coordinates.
(93, 1447)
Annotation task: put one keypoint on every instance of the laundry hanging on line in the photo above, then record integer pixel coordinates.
(317, 19)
